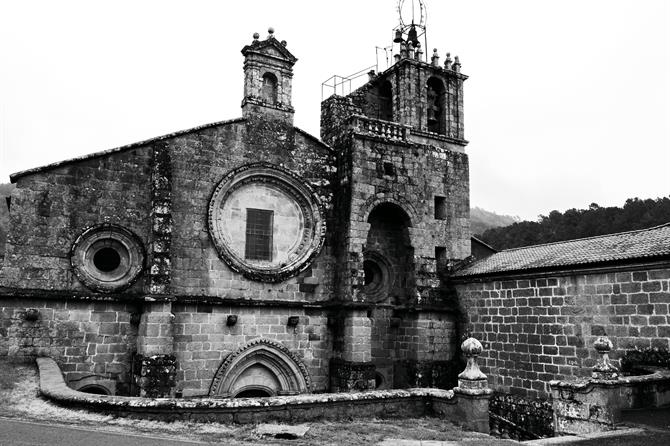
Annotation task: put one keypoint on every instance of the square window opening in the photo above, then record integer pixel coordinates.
(440, 208)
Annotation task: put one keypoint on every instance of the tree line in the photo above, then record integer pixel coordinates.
(578, 223)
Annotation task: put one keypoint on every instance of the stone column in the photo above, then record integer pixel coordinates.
(354, 371)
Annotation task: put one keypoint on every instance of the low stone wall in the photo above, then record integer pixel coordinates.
(595, 405)
(470, 411)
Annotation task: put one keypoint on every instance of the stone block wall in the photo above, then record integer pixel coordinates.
(199, 162)
(385, 169)
(541, 328)
(409, 348)
(51, 208)
(202, 340)
(83, 337)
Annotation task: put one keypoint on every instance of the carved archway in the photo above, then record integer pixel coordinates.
(264, 365)
(405, 207)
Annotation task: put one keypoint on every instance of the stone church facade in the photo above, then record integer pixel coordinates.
(248, 257)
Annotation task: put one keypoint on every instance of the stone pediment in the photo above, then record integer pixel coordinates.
(270, 47)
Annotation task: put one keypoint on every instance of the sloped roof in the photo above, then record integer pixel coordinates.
(15, 176)
(641, 244)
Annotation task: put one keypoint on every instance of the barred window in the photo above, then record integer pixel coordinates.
(258, 245)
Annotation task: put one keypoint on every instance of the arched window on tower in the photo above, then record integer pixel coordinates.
(385, 101)
(269, 88)
(436, 102)
(379, 102)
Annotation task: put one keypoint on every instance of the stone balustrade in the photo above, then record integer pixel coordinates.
(378, 127)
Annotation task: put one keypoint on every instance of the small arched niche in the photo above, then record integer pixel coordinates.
(436, 96)
(269, 89)
(262, 367)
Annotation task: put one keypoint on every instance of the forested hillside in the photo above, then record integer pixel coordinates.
(481, 220)
(579, 223)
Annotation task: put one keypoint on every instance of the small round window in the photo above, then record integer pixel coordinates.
(107, 258)
(377, 278)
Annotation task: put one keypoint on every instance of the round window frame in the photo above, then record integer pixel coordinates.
(378, 290)
(97, 237)
(314, 224)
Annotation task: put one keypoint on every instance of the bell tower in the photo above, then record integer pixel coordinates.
(268, 74)
(404, 214)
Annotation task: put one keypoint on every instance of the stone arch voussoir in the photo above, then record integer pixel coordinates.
(289, 370)
(388, 197)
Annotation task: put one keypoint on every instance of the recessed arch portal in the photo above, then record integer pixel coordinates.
(262, 367)
(388, 259)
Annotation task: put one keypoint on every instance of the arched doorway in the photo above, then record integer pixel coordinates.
(262, 367)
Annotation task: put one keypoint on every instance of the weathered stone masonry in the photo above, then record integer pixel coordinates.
(405, 201)
(169, 282)
(541, 327)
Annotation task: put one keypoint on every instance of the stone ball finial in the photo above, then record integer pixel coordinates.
(256, 36)
(435, 51)
(471, 347)
(603, 345)
(283, 42)
(604, 368)
(271, 30)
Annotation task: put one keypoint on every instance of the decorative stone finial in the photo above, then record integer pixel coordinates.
(404, 50)
(256, 36)
(271, 32)
(435, 59)
(396, 58)
(447, 62)
(472, 380)
(418, 55)
(457, 64)
(283, 42)
(604, 369)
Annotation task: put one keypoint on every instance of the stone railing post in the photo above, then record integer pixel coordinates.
(473, 392)
(604, 369)
(594, 404)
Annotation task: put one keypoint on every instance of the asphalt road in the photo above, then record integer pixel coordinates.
(20, 433)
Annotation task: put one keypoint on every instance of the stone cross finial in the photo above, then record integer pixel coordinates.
(604, 369)
(472, 379)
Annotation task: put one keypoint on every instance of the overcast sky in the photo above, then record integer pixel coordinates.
(568, 101)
